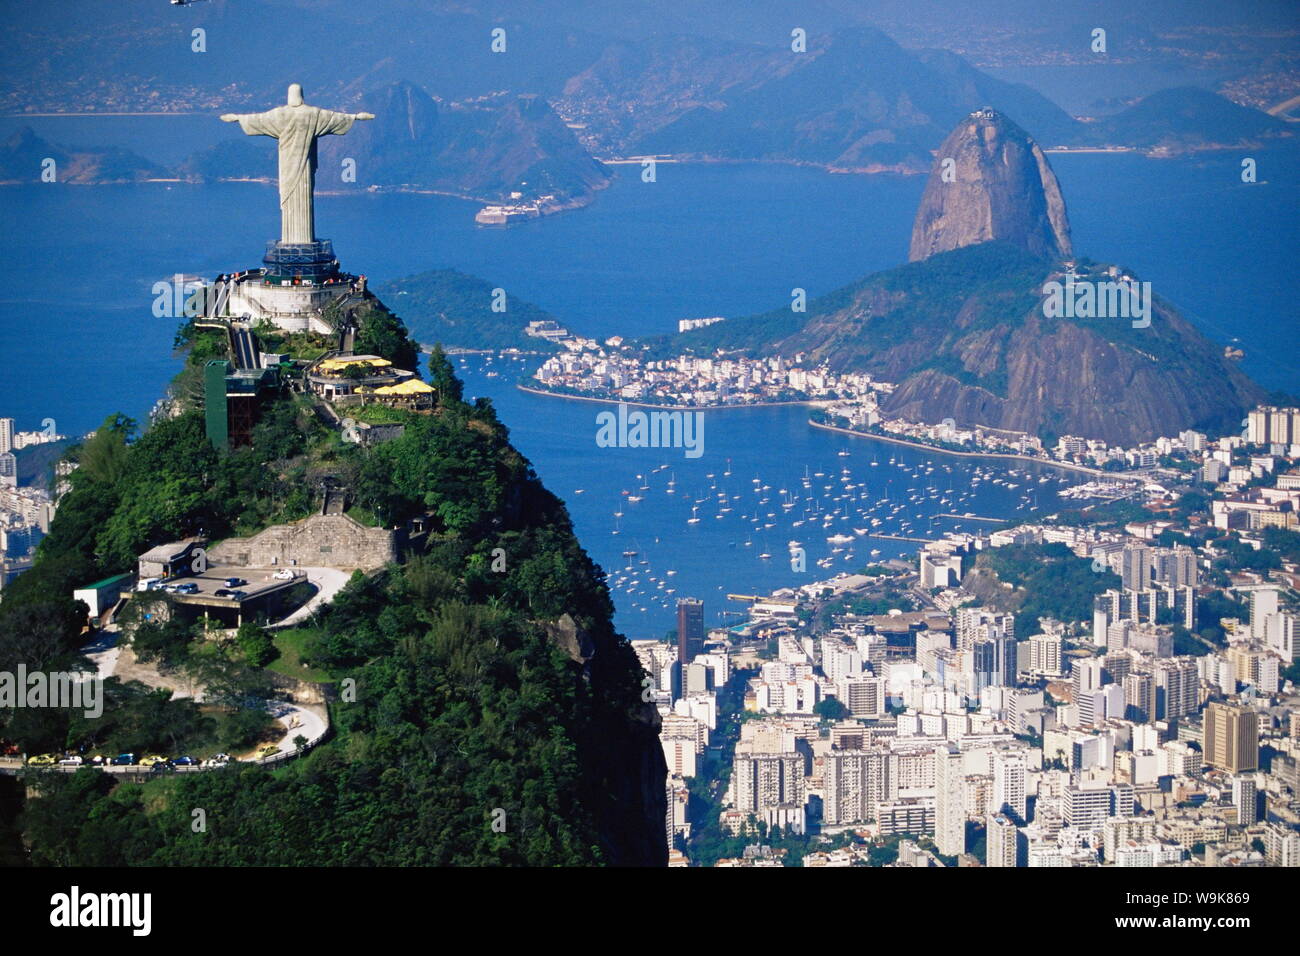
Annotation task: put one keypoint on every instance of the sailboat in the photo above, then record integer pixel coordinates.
(694, 518)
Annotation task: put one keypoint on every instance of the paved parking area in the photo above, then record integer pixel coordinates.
(258, 580)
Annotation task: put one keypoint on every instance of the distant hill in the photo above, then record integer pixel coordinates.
(855, 100)
(454, 309)
(1187, 118)
(962, 330)
(23, 153)
(963, 335)
(485, 149)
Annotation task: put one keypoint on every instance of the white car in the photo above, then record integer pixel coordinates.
(284, 574)
(73, 761)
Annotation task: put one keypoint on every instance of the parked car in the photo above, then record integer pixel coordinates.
(284, 574)
(222, 592)
(71, 761)
(152, 760)
(42, 760)
(124, 760)
(97, 760)
(235, 582)
(185, 762)
(162, 767)
(268, 750)
(238, 595)
(188, 587)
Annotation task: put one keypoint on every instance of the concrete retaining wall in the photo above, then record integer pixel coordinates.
(326, 541)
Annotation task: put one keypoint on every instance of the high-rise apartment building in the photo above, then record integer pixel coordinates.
(949, 801)
(1001, 836)
(763, 780)
(1245, 799)
(1178, 687)
(1009, 770)
(855, 783)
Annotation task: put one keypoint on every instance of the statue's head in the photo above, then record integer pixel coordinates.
(295, 94)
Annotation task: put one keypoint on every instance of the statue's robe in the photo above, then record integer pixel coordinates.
(297, 128)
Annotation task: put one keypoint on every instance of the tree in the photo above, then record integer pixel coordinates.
(102, 457)
(259, 650)
(383, 334)
(831, 709)
(443, 377)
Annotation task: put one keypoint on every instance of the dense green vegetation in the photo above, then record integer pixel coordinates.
(467, 730)
(907, 300)
(453, 308)
(1050, 581)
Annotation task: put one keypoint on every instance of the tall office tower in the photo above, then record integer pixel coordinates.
(763, 780)
(1135, 568)
(1245, 800)
(855, 783)
(690, 628)
(1001, 837)
(1009, 771)
(1231, 737)
(949, 801)
(1178, 687)
(6, 435)
(1140, 698)
(982, 666)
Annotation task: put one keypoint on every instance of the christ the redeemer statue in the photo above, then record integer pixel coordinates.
(297, 126)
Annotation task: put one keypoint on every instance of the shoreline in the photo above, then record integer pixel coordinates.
(669, 408)
(1068, 466)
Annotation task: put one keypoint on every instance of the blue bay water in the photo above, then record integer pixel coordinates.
(79, 341)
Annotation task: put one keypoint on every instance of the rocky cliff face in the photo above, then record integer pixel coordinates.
(989, 181)
(964, 336)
